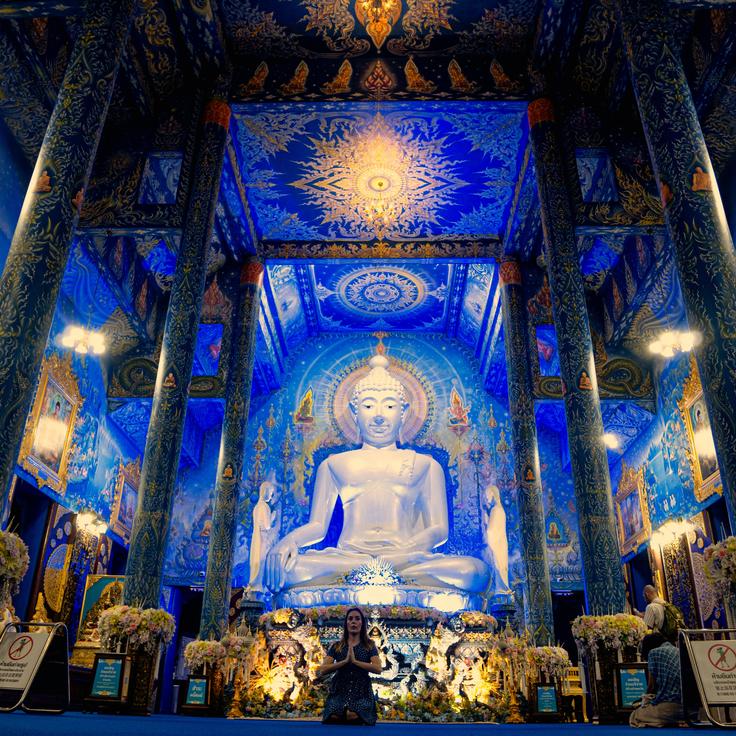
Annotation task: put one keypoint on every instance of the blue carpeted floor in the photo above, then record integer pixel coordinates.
(83, 724)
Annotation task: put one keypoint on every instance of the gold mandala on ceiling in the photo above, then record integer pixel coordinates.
(375, 179)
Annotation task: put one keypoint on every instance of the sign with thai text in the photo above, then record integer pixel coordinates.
(715, 662)
(19, 656)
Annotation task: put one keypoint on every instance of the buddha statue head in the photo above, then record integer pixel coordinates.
(378, 404)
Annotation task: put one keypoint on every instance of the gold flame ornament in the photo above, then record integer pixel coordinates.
(378, 17)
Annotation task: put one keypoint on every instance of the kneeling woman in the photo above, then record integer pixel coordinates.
(351, 659)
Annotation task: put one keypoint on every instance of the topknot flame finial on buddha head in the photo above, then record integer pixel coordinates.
(379, 379)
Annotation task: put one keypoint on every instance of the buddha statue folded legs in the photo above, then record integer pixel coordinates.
(394, 506)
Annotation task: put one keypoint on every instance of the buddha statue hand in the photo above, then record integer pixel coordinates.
(279, 561)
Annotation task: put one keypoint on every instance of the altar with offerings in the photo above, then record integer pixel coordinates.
(436, 667)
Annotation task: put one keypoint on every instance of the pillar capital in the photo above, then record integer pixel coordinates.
(217, 111)
(252, 272)
(510, 271)
(541, 110)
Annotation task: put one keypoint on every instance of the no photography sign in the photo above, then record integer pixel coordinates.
(716, 664)
(19, 654)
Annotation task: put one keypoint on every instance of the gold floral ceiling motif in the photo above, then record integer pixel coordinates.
(371, 176)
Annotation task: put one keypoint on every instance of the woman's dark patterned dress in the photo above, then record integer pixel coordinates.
(350, 688)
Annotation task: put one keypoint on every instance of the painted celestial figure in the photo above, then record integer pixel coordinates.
(497, 544)
(265, 521)
(394, 505)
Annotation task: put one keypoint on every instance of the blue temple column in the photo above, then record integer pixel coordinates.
(693, 211)
(163, 443)
(526, 453)
(216, 603)
(38, 253)
(604, 585)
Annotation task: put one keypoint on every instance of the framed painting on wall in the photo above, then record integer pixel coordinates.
(47, 440)
(125, 500)
(632, 512)
(702, 453)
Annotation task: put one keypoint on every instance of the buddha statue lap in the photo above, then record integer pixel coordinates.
(394, 506)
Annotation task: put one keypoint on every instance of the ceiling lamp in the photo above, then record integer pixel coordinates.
(671, 531)
(610, 440)
(671, 342)
(83, 340)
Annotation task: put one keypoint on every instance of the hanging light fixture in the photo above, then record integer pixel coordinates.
(671, 342)
(85, 340)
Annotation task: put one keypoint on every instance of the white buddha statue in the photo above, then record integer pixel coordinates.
(394, 505)
(265, 531)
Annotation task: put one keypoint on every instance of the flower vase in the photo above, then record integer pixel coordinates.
(217, 690)
(142, 680)
(601, 666)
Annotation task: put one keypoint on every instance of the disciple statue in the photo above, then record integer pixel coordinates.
(393, 500)
(265, 521)
(497, 545)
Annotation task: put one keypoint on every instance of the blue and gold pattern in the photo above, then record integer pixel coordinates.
(693, 213)
(526, 454)
(38, 254)
(144, 571)
(216, 602)
(355, 172)
(601, 561)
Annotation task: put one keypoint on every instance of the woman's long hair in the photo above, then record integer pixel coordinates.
(365, 640)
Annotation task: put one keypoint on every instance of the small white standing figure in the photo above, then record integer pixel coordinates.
(497, 543)
(265, 531)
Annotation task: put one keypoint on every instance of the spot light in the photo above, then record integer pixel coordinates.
(674, 341)
(610, 440)
(670, 531)
(83, 341)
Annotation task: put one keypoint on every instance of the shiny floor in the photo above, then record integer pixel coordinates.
(82, 724)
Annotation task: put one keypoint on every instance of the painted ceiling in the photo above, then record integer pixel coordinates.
(408, 128)
(365, 171)
(313, 27)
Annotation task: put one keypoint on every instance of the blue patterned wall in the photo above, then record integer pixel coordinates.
(191, 516)
(662, 451)
(98, 446)
(561, 523)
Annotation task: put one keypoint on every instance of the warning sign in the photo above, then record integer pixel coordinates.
(716, 665)
(19, 655)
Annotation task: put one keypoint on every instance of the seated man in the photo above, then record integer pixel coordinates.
(662, 705)
(393, 500)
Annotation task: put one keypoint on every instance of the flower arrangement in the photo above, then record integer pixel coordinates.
(551, 661)
(143, 628)
(478, 620)
(14, 559)
(199, 653)
(507, 643)
(720, 564)
(614, 631)
(236, 647)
